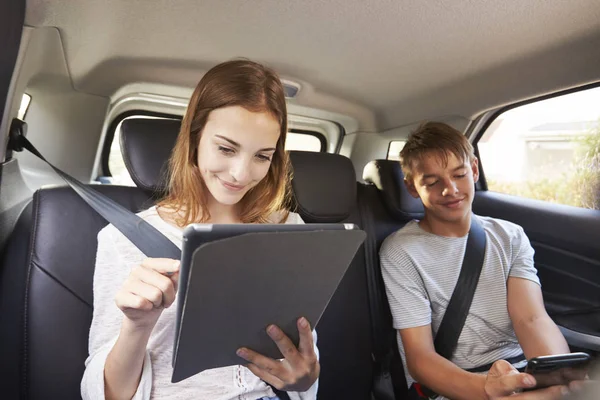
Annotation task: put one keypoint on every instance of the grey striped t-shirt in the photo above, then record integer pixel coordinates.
(420, 271)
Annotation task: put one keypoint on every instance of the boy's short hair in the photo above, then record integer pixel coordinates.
(435, 137)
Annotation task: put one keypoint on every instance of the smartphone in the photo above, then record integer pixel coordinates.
(559, 369)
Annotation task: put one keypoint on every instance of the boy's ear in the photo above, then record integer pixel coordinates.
(475, 169)
(410, 186)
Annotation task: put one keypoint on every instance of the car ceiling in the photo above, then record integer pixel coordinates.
(403, 60)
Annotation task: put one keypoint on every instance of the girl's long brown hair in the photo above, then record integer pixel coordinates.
(234, 83)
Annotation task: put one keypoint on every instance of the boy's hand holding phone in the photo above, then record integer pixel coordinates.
(561, 369)
(545, 378)
(504, 382)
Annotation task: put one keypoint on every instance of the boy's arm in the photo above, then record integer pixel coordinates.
(411, 312)
(434, 371)
(445, 378)
(537, 333)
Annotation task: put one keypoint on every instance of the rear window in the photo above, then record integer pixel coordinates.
(116, 170)
(395, 148)
(305, 141)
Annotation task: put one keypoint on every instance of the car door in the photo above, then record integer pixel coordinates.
(545, 156)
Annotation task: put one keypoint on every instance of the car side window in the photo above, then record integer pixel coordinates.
(547, 150)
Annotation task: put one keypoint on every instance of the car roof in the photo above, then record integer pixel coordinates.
(387, 63)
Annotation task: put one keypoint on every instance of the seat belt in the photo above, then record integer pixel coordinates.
(458, 308)
(144, 236)
(383, 354)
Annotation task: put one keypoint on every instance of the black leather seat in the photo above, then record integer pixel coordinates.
(46, 293)
(46, 282)
(325, 189)
(391, 207)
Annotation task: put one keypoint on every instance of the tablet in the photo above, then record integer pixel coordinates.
(229, 271)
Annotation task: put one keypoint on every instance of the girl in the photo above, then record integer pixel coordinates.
(228, 166)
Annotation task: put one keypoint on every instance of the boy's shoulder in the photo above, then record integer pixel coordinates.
(411, 235)
(498, 226)
(407, 235)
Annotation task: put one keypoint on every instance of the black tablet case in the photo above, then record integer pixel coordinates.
(239, 285)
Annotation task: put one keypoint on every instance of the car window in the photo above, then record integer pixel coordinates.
(395, 148)
(24, 106)
(547, 150)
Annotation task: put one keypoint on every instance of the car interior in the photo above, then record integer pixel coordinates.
(100, 89)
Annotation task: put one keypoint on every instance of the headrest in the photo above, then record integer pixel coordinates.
(146, 145)
(387, 176)
(324, 186)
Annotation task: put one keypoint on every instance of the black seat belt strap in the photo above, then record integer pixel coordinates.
(458, 308)
(459, 305)
(143, 235)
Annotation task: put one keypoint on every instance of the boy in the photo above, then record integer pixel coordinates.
(421, 263)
